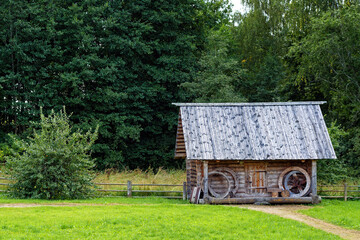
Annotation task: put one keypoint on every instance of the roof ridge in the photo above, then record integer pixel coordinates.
(248, 104)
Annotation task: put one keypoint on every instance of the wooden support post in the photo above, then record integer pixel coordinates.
(345, 192)
(184, 190)
(129, 189)
(206, 174)
(313, 178)
(198, 173)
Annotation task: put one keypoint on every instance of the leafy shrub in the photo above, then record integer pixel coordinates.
(55, 162)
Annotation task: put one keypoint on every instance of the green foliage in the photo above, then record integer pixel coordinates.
(328, 58)
(334, 170)
(55, 162)
(113, 63)
(219, 73)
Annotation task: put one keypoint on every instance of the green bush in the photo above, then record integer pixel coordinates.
(55, 163)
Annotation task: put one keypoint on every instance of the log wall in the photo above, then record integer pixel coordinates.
(246, 178)
(180, 151)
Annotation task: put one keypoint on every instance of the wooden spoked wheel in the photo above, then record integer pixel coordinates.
(231, 175)
(213, 192)
(296, 180)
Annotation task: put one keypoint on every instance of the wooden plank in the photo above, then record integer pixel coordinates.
(163, 185)
(331, 191)
(184, 191)
(250, 104)
(170, 197)
(198, 173)
(4, 178)
(129, 189)
(106, 190)
(276, 200)
(345, 192)
(118, 184)
(313, 178)
(156, 191)
(206, 175)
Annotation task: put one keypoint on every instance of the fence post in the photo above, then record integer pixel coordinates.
(129, 189)
(345, 192)
(184, 190)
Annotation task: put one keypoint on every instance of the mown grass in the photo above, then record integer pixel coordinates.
(154, 221)
(338, 212)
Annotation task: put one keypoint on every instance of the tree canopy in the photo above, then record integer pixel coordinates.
(120, 65)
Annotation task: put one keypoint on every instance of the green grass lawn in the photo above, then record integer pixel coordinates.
(338, 212)
(146, 219)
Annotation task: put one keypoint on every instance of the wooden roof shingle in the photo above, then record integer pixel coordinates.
(255, 131)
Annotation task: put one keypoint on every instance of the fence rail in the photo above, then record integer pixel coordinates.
(340, 191)
(344, 191)
(130, 189)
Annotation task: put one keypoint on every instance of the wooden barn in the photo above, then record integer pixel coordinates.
(252, 152)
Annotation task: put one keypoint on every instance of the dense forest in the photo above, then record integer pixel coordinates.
(120, 64)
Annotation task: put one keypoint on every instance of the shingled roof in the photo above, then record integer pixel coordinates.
(255, 131)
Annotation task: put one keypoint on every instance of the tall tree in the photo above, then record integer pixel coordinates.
(113, 63)
(329, 57)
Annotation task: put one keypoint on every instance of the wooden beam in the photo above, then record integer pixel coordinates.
(277, 200)
(206, 175)
(313, 178)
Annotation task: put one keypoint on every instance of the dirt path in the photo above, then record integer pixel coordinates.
(25, 205)
(289, 211)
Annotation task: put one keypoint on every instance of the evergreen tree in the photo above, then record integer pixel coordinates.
(113, 63)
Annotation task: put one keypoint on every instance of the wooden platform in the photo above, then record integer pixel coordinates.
(271, 200)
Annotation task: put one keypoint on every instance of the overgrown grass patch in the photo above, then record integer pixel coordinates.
(338, 212)
(140, 221)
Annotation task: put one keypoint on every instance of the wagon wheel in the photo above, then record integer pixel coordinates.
(296, 180)
(233, 175)
(211, 190)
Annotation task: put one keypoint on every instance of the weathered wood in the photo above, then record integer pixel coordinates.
(206, 176)
(155, 191)
(184, 191)
(285, 193)
(160, 185)
(277, 200)
(108, 190)
(345, 192)
(313, 178)
(198, 173)
(180, 149)
(250, 104)
(274, 190)
(129, 189)
(260, 132)
(265, 179)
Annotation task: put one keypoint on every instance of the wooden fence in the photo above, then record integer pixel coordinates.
(339, 191)
(129, 189)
